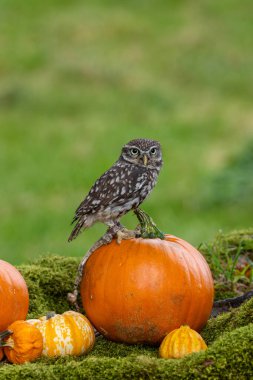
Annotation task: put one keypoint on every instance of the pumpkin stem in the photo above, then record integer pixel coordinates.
(50, 314)
(3, 335)
(149, 230)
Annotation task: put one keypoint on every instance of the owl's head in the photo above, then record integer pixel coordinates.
(143, 152)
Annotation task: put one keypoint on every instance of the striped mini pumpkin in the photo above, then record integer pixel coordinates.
(69, 333)
(181, 342)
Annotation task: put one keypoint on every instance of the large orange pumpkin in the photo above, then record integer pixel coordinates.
(140, 290)
(14, 298)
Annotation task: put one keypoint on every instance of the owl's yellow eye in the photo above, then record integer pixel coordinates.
(153, 151)
(134, 152)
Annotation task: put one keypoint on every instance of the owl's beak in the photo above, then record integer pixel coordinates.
(145, 159)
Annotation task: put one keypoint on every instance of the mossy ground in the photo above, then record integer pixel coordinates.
(229, 338)
(230, 257)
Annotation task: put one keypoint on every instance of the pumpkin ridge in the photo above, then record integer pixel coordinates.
(80, 326)
(123, 280)
(106, 279)
(197, 278)
(198, 281)
(204, 268)
(51, 346)
(202, 304)
(187, 306)
(74, 339)
(174, 341)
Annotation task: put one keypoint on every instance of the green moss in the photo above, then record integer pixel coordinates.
(227, 322)
(222, 255)
(49, 279)
(225, 359)
(228, 243)
(229, 338)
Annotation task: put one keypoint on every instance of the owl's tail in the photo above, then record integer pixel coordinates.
(79, 225)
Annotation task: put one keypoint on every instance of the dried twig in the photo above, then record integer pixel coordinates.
(223, 306)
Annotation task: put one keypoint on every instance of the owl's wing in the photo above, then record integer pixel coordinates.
(111, 188)
(94, 199)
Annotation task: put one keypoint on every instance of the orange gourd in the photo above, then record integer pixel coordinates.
(141, 289)
(181, 342)
(25, 343)
(14, 298)
(69, 333)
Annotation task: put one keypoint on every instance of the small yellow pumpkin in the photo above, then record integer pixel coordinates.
(69, 333)
(181, 342)
(22, 342)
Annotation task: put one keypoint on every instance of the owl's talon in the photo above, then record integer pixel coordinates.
(124, 235)
(138, 231)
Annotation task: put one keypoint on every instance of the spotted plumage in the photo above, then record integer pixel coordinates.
(121, 188)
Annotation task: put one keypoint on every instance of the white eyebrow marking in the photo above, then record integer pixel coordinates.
(131, 146)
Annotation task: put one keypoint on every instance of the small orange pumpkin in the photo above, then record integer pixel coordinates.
(69, 333)
(181, 342)
(24, 343)
(14, 298)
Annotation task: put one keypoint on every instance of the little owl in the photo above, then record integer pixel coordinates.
(121, 188)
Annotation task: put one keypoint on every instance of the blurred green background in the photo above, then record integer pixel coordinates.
(80, 79)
